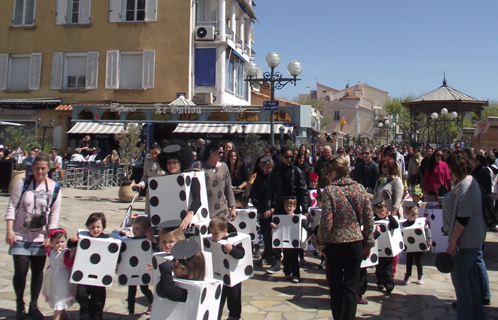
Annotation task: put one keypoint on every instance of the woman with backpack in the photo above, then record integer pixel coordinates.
(33, 210)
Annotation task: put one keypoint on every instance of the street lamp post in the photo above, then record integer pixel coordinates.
(388, 127)
(45, 127)
(272, 80)
(434, 117)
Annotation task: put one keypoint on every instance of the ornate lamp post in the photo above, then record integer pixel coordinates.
(282, 131)
(45, 127)
(272, 80)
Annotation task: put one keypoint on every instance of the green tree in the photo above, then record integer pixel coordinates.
(253, 149)
(18, 137)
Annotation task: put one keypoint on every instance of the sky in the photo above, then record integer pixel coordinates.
(399, 46)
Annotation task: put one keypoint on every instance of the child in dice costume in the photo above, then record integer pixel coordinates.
(411, 211)
(384, 270)
(218, 227)
(91, 298)
(175, 159)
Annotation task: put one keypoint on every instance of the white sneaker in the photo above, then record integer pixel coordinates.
(407, 280)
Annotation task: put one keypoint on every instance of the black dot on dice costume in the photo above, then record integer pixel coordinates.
(146, 278)
(418, 232)
(276, 220)
(252, 215)
(248, 270)
(133, 261)
(207, 243)
(107, 280)
(77, 276)
(123, 247)
(203, 295)
(218, 292)
(226, 264)
(113, 248)
(123, 279)
(295, 219)
(156, 219)
(145, 245)
(85, 244)
(180, 180)
(154, 201)
(95, 258)
(411, 240)
(242, 225)
(153, 184)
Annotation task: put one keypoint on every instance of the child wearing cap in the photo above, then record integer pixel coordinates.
(411, 211)
(417, 194)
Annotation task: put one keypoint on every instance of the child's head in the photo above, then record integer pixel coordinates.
(168, 237)
(411, 213)
(290, 205)
(140, 226)
(96, 224)
(417, 194)
(57, 238)
(379, 208)
(313, 180)
(218, 227)
(193, 268)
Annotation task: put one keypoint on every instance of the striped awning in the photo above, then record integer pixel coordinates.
(255, 128)
(96, 128)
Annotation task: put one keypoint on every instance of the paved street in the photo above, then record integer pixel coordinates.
(263, 297)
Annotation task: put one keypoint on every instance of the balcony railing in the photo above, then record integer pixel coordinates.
(207, 24)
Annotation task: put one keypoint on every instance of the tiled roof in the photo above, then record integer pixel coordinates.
(64, 107)
(445, 93)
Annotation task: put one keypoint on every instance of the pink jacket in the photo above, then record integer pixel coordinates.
(441, 175)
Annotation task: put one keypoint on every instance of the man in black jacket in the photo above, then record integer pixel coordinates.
(285, 180)
(367, 172)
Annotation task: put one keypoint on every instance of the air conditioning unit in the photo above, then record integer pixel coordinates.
(203, 98)
(204, 33)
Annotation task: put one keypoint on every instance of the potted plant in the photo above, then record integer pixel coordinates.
(130, 149)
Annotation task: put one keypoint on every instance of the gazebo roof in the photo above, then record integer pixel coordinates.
(445, 93)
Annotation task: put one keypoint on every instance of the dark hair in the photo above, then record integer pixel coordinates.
(57, 235)
(459, 162)
(491, 159)
(238, 164)
(270, 148)
(195, 266)
(432, 161)
(284, 150)
(390, 163)
(154, 145)
(184, 156)
(41, 156)
(482, 160)
(211, 147)
(54, 149)
(94, 217)
(144, 221)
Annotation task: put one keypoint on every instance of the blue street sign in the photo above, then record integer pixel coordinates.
(271, 105)
(179, 94)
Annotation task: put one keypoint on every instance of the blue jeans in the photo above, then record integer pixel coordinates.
(466, 282)
(483, 276)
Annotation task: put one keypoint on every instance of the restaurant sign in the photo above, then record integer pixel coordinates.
(161, 109)
(18, 112)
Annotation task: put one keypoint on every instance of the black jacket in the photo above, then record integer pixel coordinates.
(305, 171)
(287, 178)
(367, 175)
(258, 193)
(166, 287)
(483, 177)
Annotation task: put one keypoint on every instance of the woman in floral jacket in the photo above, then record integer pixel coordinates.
(346, 205)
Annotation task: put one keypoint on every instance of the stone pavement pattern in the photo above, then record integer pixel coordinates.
(263, 297)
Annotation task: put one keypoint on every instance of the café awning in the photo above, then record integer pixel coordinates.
(96, 128)
(255, 128)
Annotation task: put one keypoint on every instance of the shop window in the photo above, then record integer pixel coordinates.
(85, 115)
(247, 116)
(124, 69)
(20, 71)
(72, 12)
(188, 116)
(110, 115)
(218, 116)
(24, 13)
(135, 116)
(132, 10)
(281, 116)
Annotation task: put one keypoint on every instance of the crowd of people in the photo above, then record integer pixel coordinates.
(358, 186)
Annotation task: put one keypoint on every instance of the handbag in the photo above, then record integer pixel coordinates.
(488, 210)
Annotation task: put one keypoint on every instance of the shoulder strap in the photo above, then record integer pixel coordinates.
(55, 194)
(352, 205)
(25, 187)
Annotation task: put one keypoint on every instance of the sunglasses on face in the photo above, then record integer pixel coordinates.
(439, 155)
(220, 152)
(288, 157)
(365, 153)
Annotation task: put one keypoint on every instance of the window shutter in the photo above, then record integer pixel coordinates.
(61, 12)
(115, 10)
(111, 77)
(4, 70)
(30, 13)
(84, 11)
(151, 10)
(18, 11)
(56, 74)
(148, 69)
(35, 65)
(92, 70)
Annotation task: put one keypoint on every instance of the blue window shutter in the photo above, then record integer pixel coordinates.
(205, 66)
